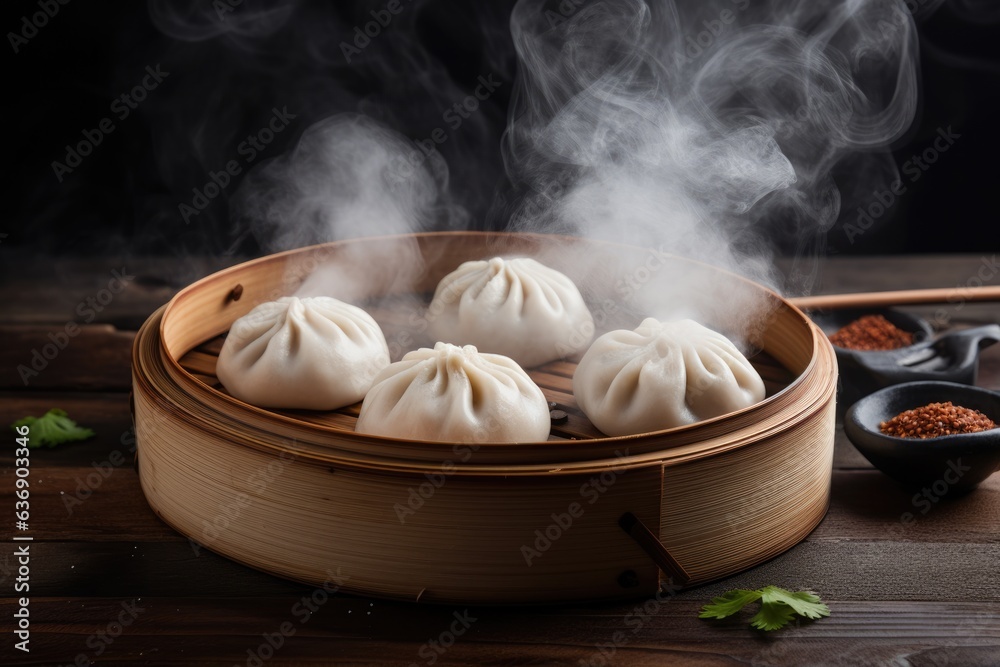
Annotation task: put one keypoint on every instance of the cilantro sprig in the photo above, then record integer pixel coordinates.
(53, 428)
(777, 606)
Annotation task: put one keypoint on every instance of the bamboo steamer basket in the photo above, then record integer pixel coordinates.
(300, 495)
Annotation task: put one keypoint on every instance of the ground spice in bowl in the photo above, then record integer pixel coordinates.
(935, 420)
(871, 332)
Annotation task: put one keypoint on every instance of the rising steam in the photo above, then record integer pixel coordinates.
(348, 176)
(706, 128)
(200, 21)
(703, 129)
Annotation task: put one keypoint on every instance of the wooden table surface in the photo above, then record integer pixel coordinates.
(924, 593)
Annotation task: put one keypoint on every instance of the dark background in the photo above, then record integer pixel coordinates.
(125, 196)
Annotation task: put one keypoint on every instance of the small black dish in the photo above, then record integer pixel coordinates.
(952, 357)
(951, 463)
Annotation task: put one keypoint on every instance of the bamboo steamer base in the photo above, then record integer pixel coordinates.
(300, 495)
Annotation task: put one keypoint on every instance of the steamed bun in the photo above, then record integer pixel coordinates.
(515, 307)
(455, 394)
(314, 353)
(662, 375)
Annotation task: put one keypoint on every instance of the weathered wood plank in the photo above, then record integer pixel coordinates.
(46, 292)
(136, 569)
(102, 501)
(852, 569)
(159, 650)
(106, 413)
(95, 356)
(581, 625)
(861, 551)
(867, 505)
(849, 569)
(346, 630)
(846, 274)
(845, 455)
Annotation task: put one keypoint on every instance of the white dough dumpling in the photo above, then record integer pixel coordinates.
(311, 353)
(517, 307)
(455, 394)
(662, 375)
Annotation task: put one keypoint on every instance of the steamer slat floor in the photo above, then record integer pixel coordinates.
(926, 591)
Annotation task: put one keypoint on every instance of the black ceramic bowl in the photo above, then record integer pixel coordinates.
(951, 463)
(952, 357)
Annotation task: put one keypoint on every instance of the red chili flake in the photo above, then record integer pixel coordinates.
(936, 419)
(871, 332)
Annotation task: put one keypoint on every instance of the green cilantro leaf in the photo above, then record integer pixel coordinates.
(772, 616)
(805, 603)
(53, 428)
(729, 603)
(777, 606)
